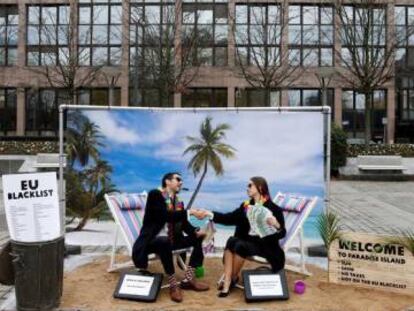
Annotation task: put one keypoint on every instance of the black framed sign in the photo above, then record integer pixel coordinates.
(140, 286)
(262, 285)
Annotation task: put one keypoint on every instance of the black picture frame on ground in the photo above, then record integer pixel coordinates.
(263, 285)
(139, 286)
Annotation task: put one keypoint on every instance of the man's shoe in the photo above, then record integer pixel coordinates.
(197, 286)
(176, 294)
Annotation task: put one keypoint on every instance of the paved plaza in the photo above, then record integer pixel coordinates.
(383, 208)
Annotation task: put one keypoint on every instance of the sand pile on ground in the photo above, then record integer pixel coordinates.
(90, 287)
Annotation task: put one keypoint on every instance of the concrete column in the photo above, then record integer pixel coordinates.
(231, 50)
(391, 105)
(178, 47)
(177, 100)
(390, 115)
(21, 43)
(124, 78)
(284, 51)
(231, 96)
(338, 107)
(337, 62)
(21, 112)
(284, 98)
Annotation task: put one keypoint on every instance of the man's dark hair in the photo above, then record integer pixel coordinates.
(168, 176)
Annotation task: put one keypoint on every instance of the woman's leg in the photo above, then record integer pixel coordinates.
(228, 268)
(228, 263)
(237, 265)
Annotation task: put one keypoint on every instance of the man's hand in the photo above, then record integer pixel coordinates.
(199, 214)
(272, 221)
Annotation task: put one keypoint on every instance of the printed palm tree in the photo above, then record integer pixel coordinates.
(86, 184)
(82, 142)
(99, 175)
(208, 149)
(85, 196)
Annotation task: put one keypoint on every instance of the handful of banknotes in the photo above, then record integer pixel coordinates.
(257, 216)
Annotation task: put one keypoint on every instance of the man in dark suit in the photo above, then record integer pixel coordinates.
(165, 221)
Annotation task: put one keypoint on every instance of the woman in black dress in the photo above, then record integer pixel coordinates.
(246, 242)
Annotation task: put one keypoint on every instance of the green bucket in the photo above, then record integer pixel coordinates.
(199, 272)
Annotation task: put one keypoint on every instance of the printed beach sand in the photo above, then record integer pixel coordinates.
(90, 287)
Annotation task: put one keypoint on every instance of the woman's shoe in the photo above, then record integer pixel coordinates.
(232, 284)
(223, 293)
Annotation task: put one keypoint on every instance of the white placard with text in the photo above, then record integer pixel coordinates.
(32, 206)
(139, 285)
(266, 285)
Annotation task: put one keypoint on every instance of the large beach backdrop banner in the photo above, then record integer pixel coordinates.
(286, 148)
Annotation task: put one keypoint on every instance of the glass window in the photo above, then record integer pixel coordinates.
(258, 34)
(8, 35)
(99, 97)
(311, 35)
(257, 98)
(363, 32)
(208, 30)
(8, 111)
(310, 97)
(100, 32)
(404, 30)
(205, 97)
(353, 114)
(41, 112)
(47, 34)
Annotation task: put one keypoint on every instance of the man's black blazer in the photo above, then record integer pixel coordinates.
(155, 217)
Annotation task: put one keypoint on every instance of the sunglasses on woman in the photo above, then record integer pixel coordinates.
(249, 185)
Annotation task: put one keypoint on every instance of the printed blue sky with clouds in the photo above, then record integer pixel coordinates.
(286, 148)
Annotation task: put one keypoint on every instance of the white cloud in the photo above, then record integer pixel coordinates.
(113, 130)
(285, 148)
(280, 147)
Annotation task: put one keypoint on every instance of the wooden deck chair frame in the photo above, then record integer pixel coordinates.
(113, 265)
(297, 231)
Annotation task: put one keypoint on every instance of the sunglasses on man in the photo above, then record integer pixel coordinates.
(179, 179)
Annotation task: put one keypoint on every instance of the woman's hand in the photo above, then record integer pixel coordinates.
(272, 221)
(199, 214)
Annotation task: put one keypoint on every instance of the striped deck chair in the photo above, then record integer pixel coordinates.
(294, 226)
(300, 208)
(128, 211)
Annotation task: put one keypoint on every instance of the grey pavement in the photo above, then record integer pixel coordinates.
(383, 208)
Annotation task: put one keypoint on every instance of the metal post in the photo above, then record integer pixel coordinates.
(327, 121)
(61, 161)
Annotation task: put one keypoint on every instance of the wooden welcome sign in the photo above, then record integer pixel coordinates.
(366, 260)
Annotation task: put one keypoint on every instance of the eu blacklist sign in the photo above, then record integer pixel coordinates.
(32, 206)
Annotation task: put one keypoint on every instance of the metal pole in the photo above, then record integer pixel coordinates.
(235, 109)
(61, 161)
(327, 121)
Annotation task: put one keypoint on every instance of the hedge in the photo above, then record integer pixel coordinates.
(28, 147)
(404, 150)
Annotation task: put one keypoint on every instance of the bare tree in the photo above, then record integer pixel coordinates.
(367, 54)
(266, 65)
(67, 66)
(163, 54)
